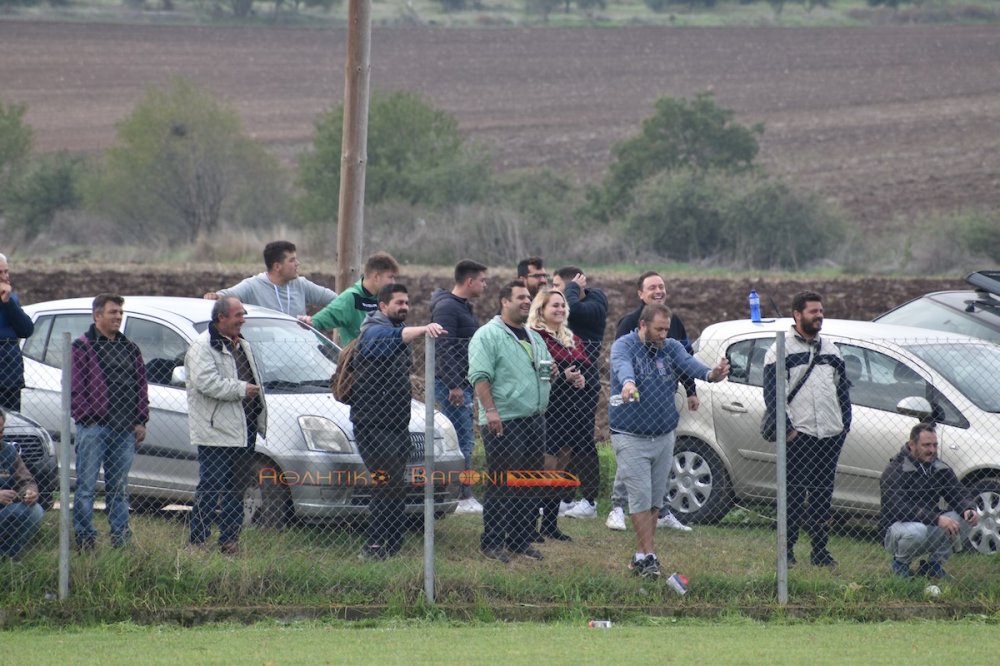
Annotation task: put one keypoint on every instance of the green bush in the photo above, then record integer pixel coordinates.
(50, 186)
(15, 143)
(416, 154)
(743, 219)
(182, 166)
(979, 232)
(682, 134)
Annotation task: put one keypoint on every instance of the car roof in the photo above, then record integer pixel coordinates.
(195, 310)
(846, 328)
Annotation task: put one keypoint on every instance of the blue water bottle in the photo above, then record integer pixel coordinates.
(754, 306)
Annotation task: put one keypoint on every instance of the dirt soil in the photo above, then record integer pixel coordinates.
(887, 121)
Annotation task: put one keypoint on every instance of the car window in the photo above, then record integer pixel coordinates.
(746, 361)
(289, 353)
(34, 347)
(75, 324)
(971, 368)
(926, 313)
(162, 348)
(880, 381)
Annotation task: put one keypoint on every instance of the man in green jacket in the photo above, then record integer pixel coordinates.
(510, 369)
(346, 312)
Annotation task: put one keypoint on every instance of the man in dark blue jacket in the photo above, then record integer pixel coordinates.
(380, 414)
(452, 392)
(14, 325)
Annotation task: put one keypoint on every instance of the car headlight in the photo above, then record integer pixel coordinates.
(448, 442)
(322, 434)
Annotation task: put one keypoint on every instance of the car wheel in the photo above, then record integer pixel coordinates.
(985, 536)
(699, 490)
(266, 502)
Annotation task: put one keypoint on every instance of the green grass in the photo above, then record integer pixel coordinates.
(732, 641)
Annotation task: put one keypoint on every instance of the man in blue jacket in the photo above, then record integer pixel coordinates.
(645, 365)
(380, 414)
(14, 325)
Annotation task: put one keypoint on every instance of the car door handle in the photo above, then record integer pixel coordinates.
(735, 408)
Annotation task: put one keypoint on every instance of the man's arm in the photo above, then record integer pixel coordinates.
(316, 294)
(449, 368)
(334, 314)
(16, 317)
(204, 377)
(142, 403)
(484, 393)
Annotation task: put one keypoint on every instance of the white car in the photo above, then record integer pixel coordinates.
(896, 372)
(307, 467)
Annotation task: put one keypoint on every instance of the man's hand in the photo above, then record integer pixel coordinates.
(493, 422)
(211, 296)
(720, 371)
(252, 390)
(140, 433)
(694, 402)
(971, 517)
(305, 319)
(791, 435)
(628, 391)
(574, 377)
(8, 496)
(456, 396)
(30, 497)
(581, 280)
(949, 525)
(5, 291)
(434, 330)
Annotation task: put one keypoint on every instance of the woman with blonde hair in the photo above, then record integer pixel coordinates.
(565, 416)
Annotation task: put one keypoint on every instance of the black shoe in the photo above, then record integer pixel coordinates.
(822, 558)
(558, 536)
(121, 540)
(791, 559)
(536, 537)
(531, 553)
(496, 553)
(648, 567)
(932, 570)
(374, 554)
(86, 545)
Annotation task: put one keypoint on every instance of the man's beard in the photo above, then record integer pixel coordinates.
(397, 319)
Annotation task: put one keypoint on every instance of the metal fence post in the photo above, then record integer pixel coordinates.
(64, 446)
(780, 451)
(429, 372)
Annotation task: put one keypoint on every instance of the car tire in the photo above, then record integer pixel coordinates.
(267, 503)
(699, 490)
(985, 536)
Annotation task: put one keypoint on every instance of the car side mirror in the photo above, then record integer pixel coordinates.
(915, 406)
(179, 375)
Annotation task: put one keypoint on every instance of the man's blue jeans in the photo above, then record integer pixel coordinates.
(98, 446)
(461, 418)
(18, 524)
(223, 475)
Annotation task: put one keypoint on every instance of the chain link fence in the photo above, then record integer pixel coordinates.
(331, 488)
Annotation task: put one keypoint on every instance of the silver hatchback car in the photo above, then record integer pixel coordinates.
(308, 466)
(720, 456)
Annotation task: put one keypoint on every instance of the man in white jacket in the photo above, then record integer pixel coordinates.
(226, 412)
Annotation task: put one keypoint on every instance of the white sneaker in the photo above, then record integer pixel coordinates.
(564, 507)
(468, 506)
(616, 519)
(669, 520)
(582, 509)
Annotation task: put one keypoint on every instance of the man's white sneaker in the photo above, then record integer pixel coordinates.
(582, 509)
(669, 520)
(616, 519)
(564, 507)
(468, 506)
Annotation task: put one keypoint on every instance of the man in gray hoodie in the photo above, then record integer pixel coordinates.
(280, 288)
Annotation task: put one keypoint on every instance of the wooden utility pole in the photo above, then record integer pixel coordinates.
(354, 144)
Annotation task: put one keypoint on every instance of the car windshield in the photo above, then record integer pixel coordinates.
(971, 368)
(926, 313)
(289, 354)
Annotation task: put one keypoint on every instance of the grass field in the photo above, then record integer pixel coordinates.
(728, 642)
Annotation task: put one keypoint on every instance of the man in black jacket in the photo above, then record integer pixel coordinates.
(452, 392)
(380, 414)
(912, 488)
